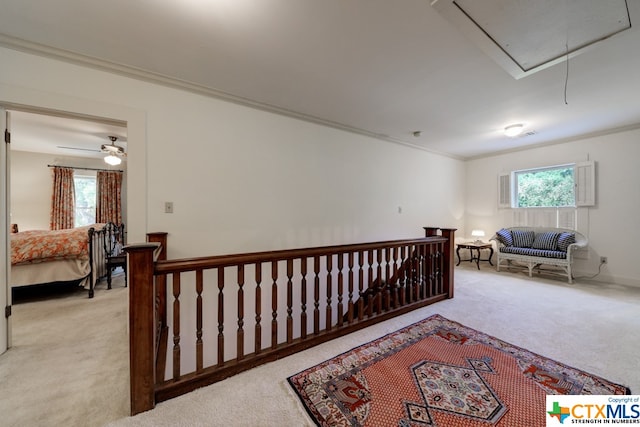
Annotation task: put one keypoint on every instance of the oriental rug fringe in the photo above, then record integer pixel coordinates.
(437, 372)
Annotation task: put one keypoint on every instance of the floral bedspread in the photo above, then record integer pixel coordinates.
(47, 245)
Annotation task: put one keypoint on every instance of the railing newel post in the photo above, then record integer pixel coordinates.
(142, 326)
(448, 258)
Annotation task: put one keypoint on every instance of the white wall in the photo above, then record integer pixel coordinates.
(31, 186)
(242, 179)
(611, 226)
(30, 190)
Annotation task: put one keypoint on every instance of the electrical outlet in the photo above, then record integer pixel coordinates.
(168, 207)
(603, 260)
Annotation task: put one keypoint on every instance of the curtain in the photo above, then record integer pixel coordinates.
(63, 201)
(109, 197)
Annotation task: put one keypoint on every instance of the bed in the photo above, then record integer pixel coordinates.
(52, 256)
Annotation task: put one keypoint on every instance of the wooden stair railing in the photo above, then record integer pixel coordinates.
(250, 309)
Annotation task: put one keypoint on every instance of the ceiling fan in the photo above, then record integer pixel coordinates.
(114, 152)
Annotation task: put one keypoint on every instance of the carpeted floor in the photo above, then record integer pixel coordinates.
(68, 365)
(72, 370)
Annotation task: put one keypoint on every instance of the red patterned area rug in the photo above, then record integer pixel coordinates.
(437, 372)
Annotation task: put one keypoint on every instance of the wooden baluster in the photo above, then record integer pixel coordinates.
(387, 279)
(429, 259)
(419, 276)
(329, 311)
(372, 294)
(415, 285)
(303, 297)
(258, 330)
(240, 333)
(394, 295)
(161, 281)
(440, 267)
(435, 288)
(361, 285)
(316, 295)
(428, 269)
(220, 316)
(176, 326)
(199, 349)
(421, 264)
(380, 282)
(289, 301)
(350, 305)
(403, 276)
(340, 289)
(274, 304)
(410, 254)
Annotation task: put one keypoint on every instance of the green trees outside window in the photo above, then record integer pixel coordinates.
(552, 187)
(85, 210)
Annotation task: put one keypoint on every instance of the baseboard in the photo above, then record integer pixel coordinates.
(608, 278)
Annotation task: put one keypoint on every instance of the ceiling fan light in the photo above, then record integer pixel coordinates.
(112, 160)
(513, 130)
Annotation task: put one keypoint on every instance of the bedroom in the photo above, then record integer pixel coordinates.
(43, 145)
(265, 185)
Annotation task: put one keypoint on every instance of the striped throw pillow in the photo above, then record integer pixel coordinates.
(523, 238)
(547, 241)
(504, 236)
(564, 240)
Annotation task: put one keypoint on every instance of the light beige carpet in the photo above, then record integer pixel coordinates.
(69, 363)
(594, 327)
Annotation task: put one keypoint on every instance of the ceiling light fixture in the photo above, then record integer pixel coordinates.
(113, 160)
(513, 130)
(113, 152)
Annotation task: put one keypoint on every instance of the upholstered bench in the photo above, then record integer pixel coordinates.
(536, 246)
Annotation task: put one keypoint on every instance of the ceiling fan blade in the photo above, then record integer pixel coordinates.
(78, 148)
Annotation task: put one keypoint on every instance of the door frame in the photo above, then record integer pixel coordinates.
(5, 241)
(24, 99)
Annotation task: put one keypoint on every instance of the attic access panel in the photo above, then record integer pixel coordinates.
(525, 36)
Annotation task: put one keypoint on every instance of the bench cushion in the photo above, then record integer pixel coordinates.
(534, 252)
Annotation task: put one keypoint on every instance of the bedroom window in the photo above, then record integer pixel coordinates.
(85, 188)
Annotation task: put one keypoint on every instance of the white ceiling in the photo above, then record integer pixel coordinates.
(378, 67)
(63, 135)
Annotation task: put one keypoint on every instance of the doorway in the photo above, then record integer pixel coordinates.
(61, 325)
(42, 139)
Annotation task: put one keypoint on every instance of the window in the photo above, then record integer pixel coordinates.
(544, 188)
(85, 187)
(570, 185)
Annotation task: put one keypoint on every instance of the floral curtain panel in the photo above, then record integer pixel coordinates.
(109, 197)
(63, 200)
